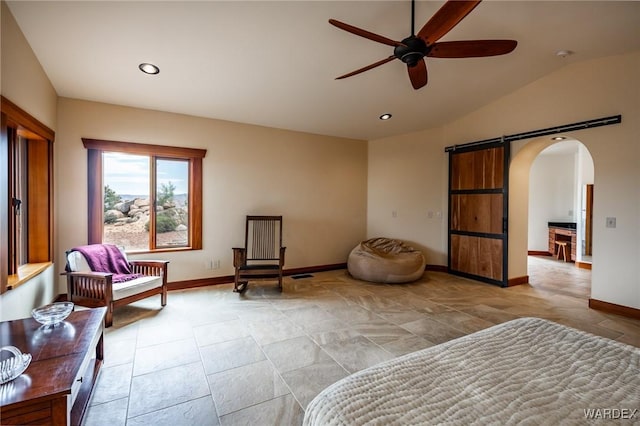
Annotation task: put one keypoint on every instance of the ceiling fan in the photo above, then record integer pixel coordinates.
(414, 48)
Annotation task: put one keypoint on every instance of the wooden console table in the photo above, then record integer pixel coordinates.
(56, 387)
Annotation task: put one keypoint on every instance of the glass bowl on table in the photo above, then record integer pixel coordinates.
(53, 313)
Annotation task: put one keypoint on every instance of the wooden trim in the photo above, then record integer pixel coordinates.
(195, 203)
(26, 273)
(436, 268)
(583, 265)
(518, 281)
(40, 244)
(95, 149)
(143, 148)
(317, 268)
(202, 282)
(588, 222)
(39, 202)
(4, 197)
(227, 279)
(20, 117)
(52, 248)
(538, 253)
(135, 297)
(612, 308)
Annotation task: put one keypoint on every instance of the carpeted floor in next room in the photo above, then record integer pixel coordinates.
(212, 356)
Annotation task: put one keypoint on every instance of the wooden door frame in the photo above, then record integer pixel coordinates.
(588, 221)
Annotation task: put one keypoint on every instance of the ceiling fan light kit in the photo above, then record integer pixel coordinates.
(413, 49)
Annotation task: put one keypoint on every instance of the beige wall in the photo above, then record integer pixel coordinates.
(405, 199)
(24, 83)
(577, 92)
(38, 291)
(317, 183)
(23, 79)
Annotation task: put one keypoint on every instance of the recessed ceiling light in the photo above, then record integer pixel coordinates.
(558, 138)
(564, 53)
(148, 68)
(385, 116)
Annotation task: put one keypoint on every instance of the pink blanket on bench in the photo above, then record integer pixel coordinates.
(107, 258)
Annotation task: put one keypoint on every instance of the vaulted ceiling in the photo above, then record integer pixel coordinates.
(274, 63)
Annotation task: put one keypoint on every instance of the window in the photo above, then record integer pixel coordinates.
(26, 220)
(18, 202)
(144, 197)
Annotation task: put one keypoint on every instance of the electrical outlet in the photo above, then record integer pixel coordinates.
(611, 222)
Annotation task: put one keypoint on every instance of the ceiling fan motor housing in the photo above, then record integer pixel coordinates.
(412, 50)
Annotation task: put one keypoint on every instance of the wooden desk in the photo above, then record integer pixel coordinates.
(562, 235)
(56, 387)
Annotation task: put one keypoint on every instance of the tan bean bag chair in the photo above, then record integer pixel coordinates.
(385, 260)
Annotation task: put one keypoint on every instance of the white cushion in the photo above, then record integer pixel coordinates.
(137, 286)
(77, 262)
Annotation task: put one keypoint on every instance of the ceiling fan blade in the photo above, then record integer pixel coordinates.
(472, 48)
(445, 19)
(367, 68)
(418, 74)
(364, 33)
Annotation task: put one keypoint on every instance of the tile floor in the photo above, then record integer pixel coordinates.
(213, 357)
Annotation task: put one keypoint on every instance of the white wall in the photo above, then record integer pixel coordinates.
(318, 183)
(584, 176)
(552, 195)
(24, 83)
(577, 92)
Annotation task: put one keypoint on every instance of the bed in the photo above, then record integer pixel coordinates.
(525, 371)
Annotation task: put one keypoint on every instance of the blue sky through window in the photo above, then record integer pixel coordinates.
(128, 174)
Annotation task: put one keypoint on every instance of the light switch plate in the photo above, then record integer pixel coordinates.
(611, 222)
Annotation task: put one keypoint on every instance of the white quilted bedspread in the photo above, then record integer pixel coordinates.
(526, 371)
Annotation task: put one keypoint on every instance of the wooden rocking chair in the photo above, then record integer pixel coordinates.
(263, 254)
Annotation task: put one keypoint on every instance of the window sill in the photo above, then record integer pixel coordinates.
(25, 273)
(159, 250)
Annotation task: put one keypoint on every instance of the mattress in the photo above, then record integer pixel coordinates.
(526, 371)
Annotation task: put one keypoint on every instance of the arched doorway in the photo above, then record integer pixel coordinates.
(564, 167)
(560, 182)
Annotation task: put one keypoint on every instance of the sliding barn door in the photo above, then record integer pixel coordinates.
(478, 208)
